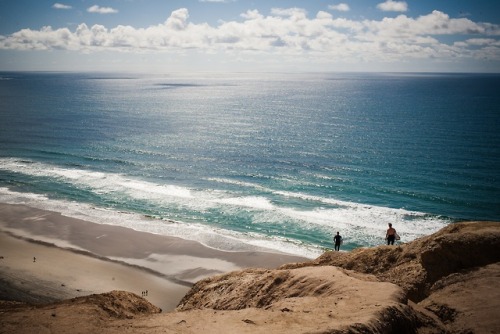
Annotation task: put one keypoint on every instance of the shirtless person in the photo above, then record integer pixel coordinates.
(390, 236)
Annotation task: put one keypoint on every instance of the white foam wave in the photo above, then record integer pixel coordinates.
(254, 202)
(208, 236)
(361, 224)
(98, 181)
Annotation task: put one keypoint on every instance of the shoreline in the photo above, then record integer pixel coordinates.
(74, 257)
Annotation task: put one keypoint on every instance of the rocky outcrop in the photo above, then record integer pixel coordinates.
(468, 301)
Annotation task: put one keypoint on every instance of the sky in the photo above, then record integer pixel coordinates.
(163, 36)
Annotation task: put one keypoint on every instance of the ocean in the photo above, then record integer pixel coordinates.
(245, 161)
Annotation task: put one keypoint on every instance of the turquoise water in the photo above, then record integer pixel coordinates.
(242, 161)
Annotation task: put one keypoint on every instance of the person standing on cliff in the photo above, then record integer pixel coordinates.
(390, 236)
(338, 241)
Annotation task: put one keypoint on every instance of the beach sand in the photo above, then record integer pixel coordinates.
(45, 256)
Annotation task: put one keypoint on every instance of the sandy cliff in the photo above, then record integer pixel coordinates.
(416, 266)
(444, 283)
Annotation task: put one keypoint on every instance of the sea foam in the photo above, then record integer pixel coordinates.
(360, 224)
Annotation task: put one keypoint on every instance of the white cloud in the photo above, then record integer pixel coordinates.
(341, 7)
(285, 32)
(178, 19)
(435, 23)
(101, 10)
(393, 6)
(61, 6)
(252, 15)
(483, 41)
(295, 13)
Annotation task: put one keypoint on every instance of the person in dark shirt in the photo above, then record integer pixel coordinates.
(338, 241)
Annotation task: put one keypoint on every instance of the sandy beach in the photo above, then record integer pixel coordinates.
(46, 257)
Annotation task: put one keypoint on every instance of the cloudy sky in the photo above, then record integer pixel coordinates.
(259, 35)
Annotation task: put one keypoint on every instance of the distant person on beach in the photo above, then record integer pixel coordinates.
(390, 236)
(338, 241)
(34, 259)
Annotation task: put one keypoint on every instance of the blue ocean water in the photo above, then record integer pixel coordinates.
(246, 161)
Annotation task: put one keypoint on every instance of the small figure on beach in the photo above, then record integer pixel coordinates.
(34, 259)
(390, 236)
(338, 241)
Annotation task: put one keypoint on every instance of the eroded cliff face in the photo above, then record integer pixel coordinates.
(417, 265)
(325, 297)
(429, 273)
(444, 283)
